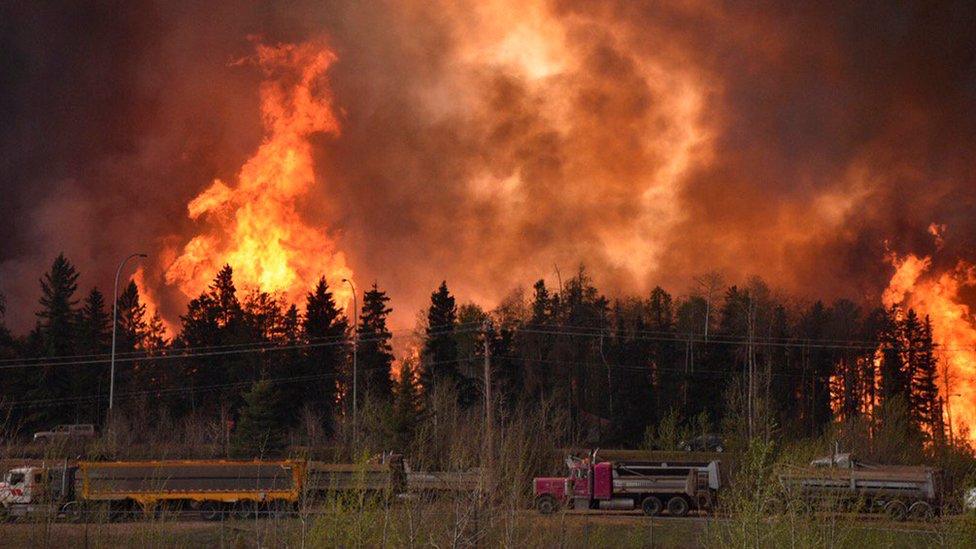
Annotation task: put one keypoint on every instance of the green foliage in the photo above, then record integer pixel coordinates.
(261, 429)
(375, 351)
(325, 327)
(440, 353)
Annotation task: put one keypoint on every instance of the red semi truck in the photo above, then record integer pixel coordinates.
(651, 486)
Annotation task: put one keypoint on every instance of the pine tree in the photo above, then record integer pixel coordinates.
(440, 354)
(406, 407)
(375, 351)
(56, 335)
(261, 429)
(96, 324)
(131, 328)
(95, 338)
(534, 348)
(925, 392)
(215, 318)
(893, 382)
(326, 327)
(58, 317)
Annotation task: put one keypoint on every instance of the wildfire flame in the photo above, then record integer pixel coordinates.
(953, 328)
(255, 225)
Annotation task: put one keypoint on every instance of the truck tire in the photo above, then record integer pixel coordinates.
(546, 504)
(651, 506)
(211, 510)
(73, 511)
(678, 506)
(896, 510)
(921, 510)
(245, 510)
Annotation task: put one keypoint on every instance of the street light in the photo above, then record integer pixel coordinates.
(115, 321)
(355, 349)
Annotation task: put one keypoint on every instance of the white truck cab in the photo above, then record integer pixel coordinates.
(21, 486)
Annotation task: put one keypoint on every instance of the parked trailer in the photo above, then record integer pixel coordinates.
(443, 482)
(842, 482)
(651, 486)
(115, 489)
(387, 477)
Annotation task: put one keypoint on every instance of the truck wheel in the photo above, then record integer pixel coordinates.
(921, 510)
(72, 511)
(678, 506)
(245, 509)
(546, 504)
(896, 510)
(211, 510)
(651, 506)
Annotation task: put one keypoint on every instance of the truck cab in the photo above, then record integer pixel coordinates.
(29, 490)
(648, 486)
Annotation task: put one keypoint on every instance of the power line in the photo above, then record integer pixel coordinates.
(68, 359)
(178, 353)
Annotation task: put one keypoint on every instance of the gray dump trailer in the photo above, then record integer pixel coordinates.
(842, 482)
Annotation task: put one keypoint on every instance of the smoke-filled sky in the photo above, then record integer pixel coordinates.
(488, 142)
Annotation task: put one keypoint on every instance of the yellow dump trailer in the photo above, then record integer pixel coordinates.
(213, 487)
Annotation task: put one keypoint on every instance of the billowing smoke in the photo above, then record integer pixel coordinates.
(486, 142)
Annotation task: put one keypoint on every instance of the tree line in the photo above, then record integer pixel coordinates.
(727, 358)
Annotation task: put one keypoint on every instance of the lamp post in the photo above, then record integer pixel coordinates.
(355, 350)
(115, 322)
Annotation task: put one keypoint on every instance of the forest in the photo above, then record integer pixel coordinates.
(631, 372)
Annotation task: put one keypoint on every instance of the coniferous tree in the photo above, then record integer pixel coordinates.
(261, 429)
(95, 333)
(924, 388)
(893, 382)
(375, 351)
(440, 354)
(96, 324)
(670, 388)
(58, 316)
(406, 407)
(325, 327)
(215, 319)
(815, 368)
(535, 345)
(131, 327)
(56, 335)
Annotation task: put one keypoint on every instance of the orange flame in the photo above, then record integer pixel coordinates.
(255, 226)
(148, 298)
(953, 328)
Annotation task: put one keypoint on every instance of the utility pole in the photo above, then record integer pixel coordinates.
(355, 352)
(115, 323)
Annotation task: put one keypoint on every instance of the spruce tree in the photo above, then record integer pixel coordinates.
(534, 347)
(215, 318)
(58, 316)
(375, 351)
(56, 335)
(893, 382)
(95, 339)
(925, 392)
(96, 324)
(131, 328)
(261, 429)
(440, 354)
(325, 328)
(406, 407)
